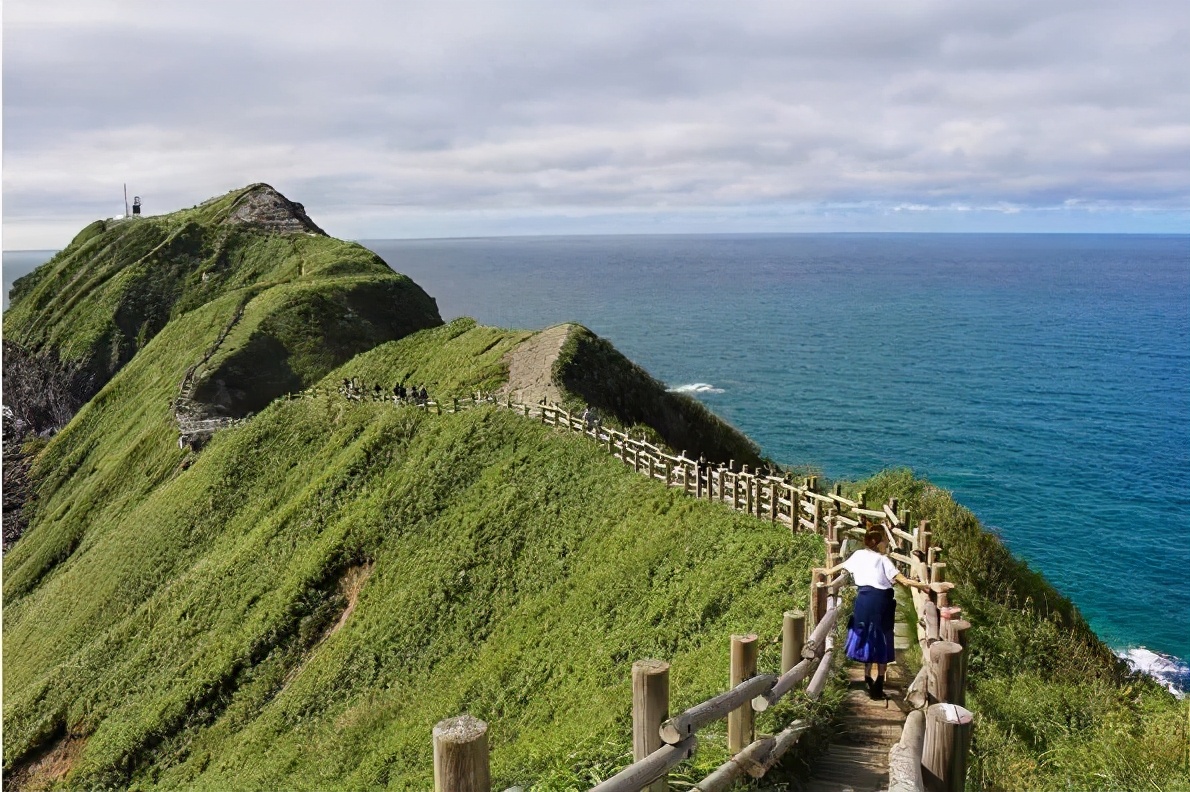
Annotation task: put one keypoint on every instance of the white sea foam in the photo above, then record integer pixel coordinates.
(696, 387)
(1166, 669)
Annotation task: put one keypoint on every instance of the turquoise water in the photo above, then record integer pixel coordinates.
(1044, 379)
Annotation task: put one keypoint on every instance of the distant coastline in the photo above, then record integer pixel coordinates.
(18, 263)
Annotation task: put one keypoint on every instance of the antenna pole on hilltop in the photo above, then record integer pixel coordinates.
(125, 199)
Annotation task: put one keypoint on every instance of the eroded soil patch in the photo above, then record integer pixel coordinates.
(42, 770)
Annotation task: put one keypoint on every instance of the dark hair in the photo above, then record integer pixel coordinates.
(873, 538)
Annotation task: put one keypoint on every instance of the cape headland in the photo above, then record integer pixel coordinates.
(293, 595)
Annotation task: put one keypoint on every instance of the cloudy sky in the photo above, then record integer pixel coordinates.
(423, 119)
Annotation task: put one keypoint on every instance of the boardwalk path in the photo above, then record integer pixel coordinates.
(857, 760)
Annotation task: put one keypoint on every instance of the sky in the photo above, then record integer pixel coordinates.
(437, 119)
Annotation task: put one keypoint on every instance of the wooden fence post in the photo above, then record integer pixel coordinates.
(461, 755)
(948, 739)
(938, 575)
(946, 673)
(956, 630)
(748, 487)
(818, 596)
(650, 708)
(740, 730)
(793, 636)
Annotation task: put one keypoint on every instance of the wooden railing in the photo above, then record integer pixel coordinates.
(932, 752)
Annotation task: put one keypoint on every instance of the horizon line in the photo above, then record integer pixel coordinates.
(721, 234)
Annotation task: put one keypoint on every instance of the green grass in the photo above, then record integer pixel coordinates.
(171, 609)
(168, 607)
(456, 359)
(119, 283)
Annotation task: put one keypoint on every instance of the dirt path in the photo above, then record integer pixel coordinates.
(531, 366)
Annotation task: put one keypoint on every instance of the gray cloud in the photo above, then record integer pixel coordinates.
(422, 119)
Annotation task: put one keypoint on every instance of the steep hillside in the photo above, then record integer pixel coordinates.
(296, 605)
(591, 369)
(309, 303)
(567, 364)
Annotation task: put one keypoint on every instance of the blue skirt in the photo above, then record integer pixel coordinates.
(870, 629)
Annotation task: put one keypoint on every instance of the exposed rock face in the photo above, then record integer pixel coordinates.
(16, 479)
(263, 206)
(41, 390)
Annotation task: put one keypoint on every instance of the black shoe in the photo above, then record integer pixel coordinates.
(877, 691)
(869, 683)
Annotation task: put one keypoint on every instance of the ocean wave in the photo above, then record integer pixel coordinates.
(696, 387)
(1166, 669)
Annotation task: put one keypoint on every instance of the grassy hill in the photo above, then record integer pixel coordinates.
(463, 357)
(307, 303)
(295, 605)
(490, 566)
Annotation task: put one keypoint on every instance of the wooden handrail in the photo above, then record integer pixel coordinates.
(656, 764)
(681, 726)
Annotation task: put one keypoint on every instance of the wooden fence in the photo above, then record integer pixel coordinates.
(931, 754)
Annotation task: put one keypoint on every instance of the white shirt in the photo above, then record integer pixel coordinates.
(869, 568)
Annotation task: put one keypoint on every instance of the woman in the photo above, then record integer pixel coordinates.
(870, 629)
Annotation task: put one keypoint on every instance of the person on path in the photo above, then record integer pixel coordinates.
(870, 628)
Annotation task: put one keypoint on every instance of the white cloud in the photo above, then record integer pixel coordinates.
(461, 116)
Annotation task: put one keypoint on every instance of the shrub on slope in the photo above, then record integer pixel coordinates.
(595, 373)
(1056, 709)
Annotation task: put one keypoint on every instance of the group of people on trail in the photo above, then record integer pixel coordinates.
(870, 628)
(354, 389)
(414, 394)
(591, 421)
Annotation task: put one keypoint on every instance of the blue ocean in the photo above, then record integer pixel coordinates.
(1045, 380)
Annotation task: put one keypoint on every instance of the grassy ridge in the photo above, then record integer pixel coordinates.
(457, 359)
(318, 300)
(515, 574)
(1056, 709)
(595, 373)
